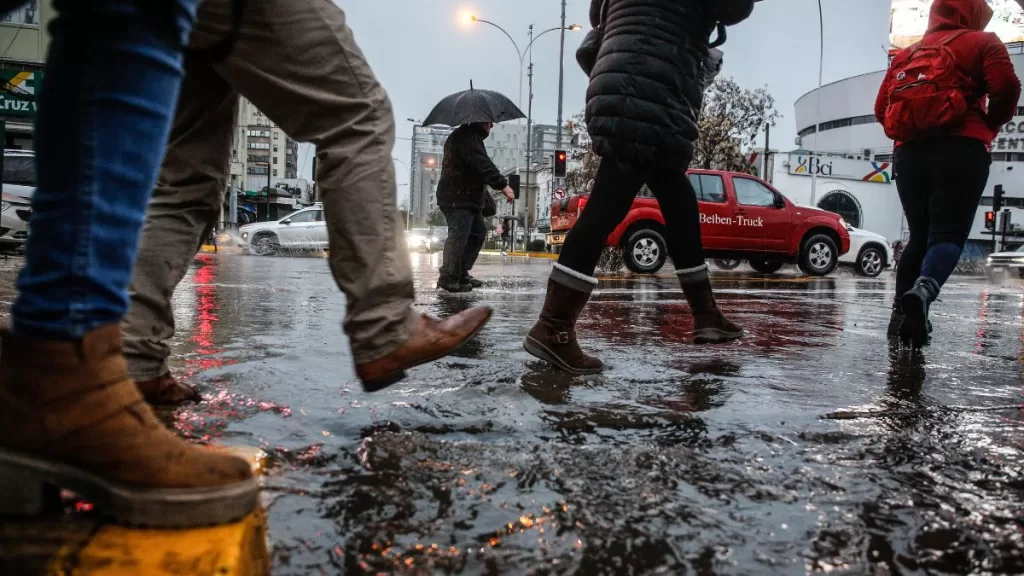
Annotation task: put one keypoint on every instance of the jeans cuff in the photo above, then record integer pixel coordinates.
(397, 338)
(145, 370)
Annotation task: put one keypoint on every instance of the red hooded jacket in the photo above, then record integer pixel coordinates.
(982, 57)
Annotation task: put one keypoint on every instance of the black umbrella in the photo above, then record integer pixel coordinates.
(473, 106)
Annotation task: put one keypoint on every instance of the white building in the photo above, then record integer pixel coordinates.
(855, 174)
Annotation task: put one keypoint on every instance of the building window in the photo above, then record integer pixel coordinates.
(883, 157)
(257, 170)
(275, 171)
(275, 159)
(275, 147)
(841, 123)
(843, 203)
(259, 146)
(275, 135)
(27, 15)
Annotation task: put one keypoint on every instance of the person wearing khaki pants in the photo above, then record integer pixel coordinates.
(298, 62)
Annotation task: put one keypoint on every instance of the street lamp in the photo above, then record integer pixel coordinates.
(408, 209)
(817, 113)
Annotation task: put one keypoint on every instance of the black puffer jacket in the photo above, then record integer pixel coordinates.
(646, 88)
(466, 169)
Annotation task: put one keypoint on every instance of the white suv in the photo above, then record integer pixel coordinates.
(302, 230)
(869, 253)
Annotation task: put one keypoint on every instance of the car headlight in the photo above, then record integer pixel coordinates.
(245, 235)
(988, 260)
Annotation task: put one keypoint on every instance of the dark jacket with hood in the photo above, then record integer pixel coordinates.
(646, 88)
(466, 169)
(982, 58)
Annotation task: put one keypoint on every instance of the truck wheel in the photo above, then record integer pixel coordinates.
(871, 262)
(265, 244)
(819, 255)
(724, 264)
(766, 266)
(645, 252)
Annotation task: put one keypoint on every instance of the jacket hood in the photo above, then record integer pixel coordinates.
(959, 15)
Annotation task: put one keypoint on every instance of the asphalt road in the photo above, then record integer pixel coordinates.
(811, 445)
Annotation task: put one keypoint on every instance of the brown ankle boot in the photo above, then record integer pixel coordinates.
(430, 340)
(710, 326)
(553, 337)
(71, 418)
(167, 391)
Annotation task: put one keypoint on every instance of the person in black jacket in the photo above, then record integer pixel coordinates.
(465, 172)
(645, 94)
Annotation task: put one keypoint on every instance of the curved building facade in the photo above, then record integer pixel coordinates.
(854, 162)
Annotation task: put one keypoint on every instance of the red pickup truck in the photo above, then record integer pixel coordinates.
(742, 218)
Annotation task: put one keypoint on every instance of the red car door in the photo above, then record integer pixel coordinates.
(716, 211)
(763, 219)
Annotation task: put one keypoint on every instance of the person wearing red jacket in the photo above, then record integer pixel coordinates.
(941, 177)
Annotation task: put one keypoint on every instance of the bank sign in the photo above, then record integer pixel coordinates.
(840, 168)
(18, 92)
(1011, 137)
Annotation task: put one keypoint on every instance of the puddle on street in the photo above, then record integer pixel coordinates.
(810, 445)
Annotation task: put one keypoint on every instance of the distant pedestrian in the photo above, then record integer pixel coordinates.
(933, 104)
(298, 62)
(897, 252)
(646, 88)
(506, 238)
(465, 174)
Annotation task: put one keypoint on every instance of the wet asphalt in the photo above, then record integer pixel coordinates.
(810, 446)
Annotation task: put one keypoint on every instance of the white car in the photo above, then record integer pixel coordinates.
(19, 184)
(302, 230)
(869, 253)
(420, 240)
(1000, 264)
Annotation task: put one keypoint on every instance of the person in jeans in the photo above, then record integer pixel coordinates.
(465, 173)
(941, 177)
(506, 238)
(645, 91)
(298, 62)
(70, 417)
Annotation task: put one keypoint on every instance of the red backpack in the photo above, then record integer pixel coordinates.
(928, 93)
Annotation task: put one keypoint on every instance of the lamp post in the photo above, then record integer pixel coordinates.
(408, 208)
(817, 113)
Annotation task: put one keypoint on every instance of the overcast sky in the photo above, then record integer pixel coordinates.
(421, 51)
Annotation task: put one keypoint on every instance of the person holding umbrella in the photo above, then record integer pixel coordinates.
(646, 89)
(466, 172)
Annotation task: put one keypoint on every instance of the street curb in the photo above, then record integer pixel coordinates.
(238, 549)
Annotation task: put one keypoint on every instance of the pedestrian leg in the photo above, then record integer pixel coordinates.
(959, 170)
(913, 183)
(475, 243)
(460, 228)
(185, 206)
(298, 62)
(678, 202)
(70, 417)
(553, 337)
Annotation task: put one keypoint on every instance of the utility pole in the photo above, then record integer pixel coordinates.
(529, 150)
(561, 79)
(764, 161)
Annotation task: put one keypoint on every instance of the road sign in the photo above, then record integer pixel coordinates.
(559, 193)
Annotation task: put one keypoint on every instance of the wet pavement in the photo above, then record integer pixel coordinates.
(808, 446)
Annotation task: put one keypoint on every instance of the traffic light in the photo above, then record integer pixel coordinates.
(997, 199)
(513, 183)
(560, 159)
(990, 220)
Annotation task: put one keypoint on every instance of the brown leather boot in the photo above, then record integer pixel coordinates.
(167, 391)
(553, 337)
(71, 418)
(710, 326)
(431, 339)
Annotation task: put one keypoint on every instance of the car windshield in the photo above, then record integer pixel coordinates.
(420, 231)
(20, 170)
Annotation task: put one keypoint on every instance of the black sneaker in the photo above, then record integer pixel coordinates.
(454, 287)
(467, 279)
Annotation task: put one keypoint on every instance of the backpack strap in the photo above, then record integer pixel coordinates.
(944, 42)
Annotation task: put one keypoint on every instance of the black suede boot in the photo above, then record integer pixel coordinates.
(916, 328)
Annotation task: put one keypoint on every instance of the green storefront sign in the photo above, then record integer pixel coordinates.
(18, 89)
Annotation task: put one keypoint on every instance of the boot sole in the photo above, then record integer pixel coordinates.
(538, 350)
(715, 336)
(29, 486)
(914, 328)
(379, 384)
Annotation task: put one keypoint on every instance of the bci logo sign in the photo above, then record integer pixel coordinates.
(812, 165)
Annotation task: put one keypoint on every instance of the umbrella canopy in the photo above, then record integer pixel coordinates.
(472, 106)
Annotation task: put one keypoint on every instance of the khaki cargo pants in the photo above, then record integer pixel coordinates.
(297, 61)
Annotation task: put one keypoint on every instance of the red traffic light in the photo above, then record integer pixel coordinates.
(561, 157)
(990, 220)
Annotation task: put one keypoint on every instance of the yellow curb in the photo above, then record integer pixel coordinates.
(238, 549)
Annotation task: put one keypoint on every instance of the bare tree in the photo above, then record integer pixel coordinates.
(731, 119)
(436, 218)
(580, 180)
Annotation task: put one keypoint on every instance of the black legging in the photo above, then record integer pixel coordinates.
(614, 190)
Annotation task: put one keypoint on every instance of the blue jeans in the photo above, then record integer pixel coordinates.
(111, 86)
